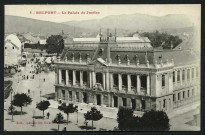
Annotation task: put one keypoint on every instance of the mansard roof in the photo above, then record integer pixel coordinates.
(126, 51)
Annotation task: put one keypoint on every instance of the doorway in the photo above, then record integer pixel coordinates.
(115, 101)
(98, 99)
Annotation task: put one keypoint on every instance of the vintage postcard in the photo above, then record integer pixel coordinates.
(102, 67)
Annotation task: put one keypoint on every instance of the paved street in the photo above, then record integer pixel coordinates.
(46, 88)
(24, 122)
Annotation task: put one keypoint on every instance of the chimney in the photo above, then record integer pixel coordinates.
(107, 34)
(115, 35)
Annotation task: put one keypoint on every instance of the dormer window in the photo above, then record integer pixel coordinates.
(100, 53)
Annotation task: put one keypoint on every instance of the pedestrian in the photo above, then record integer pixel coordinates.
(27, 77)
(48, 115)
(44, 79)
(33, 76)
(64, 129)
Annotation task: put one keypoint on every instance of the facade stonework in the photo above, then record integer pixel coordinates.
(111, 72)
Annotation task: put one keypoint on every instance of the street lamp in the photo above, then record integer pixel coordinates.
(11, 103)
(33, 117)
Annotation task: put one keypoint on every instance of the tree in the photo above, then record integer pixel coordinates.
(21, 99)
(126, 120)
(154, 121)
(55, 44)
(93, 115)
(164, 40)
(70, 108)
(43, 105)
(58, 119)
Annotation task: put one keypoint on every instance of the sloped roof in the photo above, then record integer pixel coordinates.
(180, 57)
(14, 40)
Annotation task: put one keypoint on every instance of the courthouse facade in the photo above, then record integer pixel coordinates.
(112, 71)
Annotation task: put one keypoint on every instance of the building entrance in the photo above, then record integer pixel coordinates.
(143, 104)
(115, 101)
(133, 104)
(85, 97)
(98, 99)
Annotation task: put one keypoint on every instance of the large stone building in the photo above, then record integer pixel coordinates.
(126, 71)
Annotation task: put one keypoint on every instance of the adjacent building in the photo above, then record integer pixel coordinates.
(113, 71)
(12, 51)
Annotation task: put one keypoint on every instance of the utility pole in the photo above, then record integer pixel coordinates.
(11, 104)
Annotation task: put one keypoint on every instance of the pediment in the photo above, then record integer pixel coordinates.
(98, 63)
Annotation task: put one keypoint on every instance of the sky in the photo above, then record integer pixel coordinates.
(193, 11)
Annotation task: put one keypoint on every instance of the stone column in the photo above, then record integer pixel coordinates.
(60, 76)
(180, 77)
(90, 79)
(138, 83)
(94, 78)
(74, 77)
(80, 97)
(128, 82)
(185, 77)
(67, 77)
(66, 95)
(94, 99)
(111, 81)
(103, 81)
(120, 82)
(59, 94)
(73, 96)
(102, 99)
(148, 84)
(110, 100)
(190, 75)
(81, 78)
(176, 82)
(56, 77)
(107, 81)
(129, 103)
(56, 95)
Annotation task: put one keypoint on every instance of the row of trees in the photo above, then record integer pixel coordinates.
(164, 40)
(92, 115)
(150, 121)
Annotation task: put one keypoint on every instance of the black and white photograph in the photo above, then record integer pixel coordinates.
(105, 67)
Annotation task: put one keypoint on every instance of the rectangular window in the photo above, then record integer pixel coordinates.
(70, 76)
(188, 74)
(173, 76)
(115, 81)
(133, 81)
(183, 75)
(174, 97)
(124, 100)
(164, 103)
(77, 96)
(183, 94)
(124, 81)
(70, 95)
(188, 94)
(178, 96)
(197, 72)
(192, 73)
(163, 80)
(77, 76)
(193, 92)
(178, 76)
